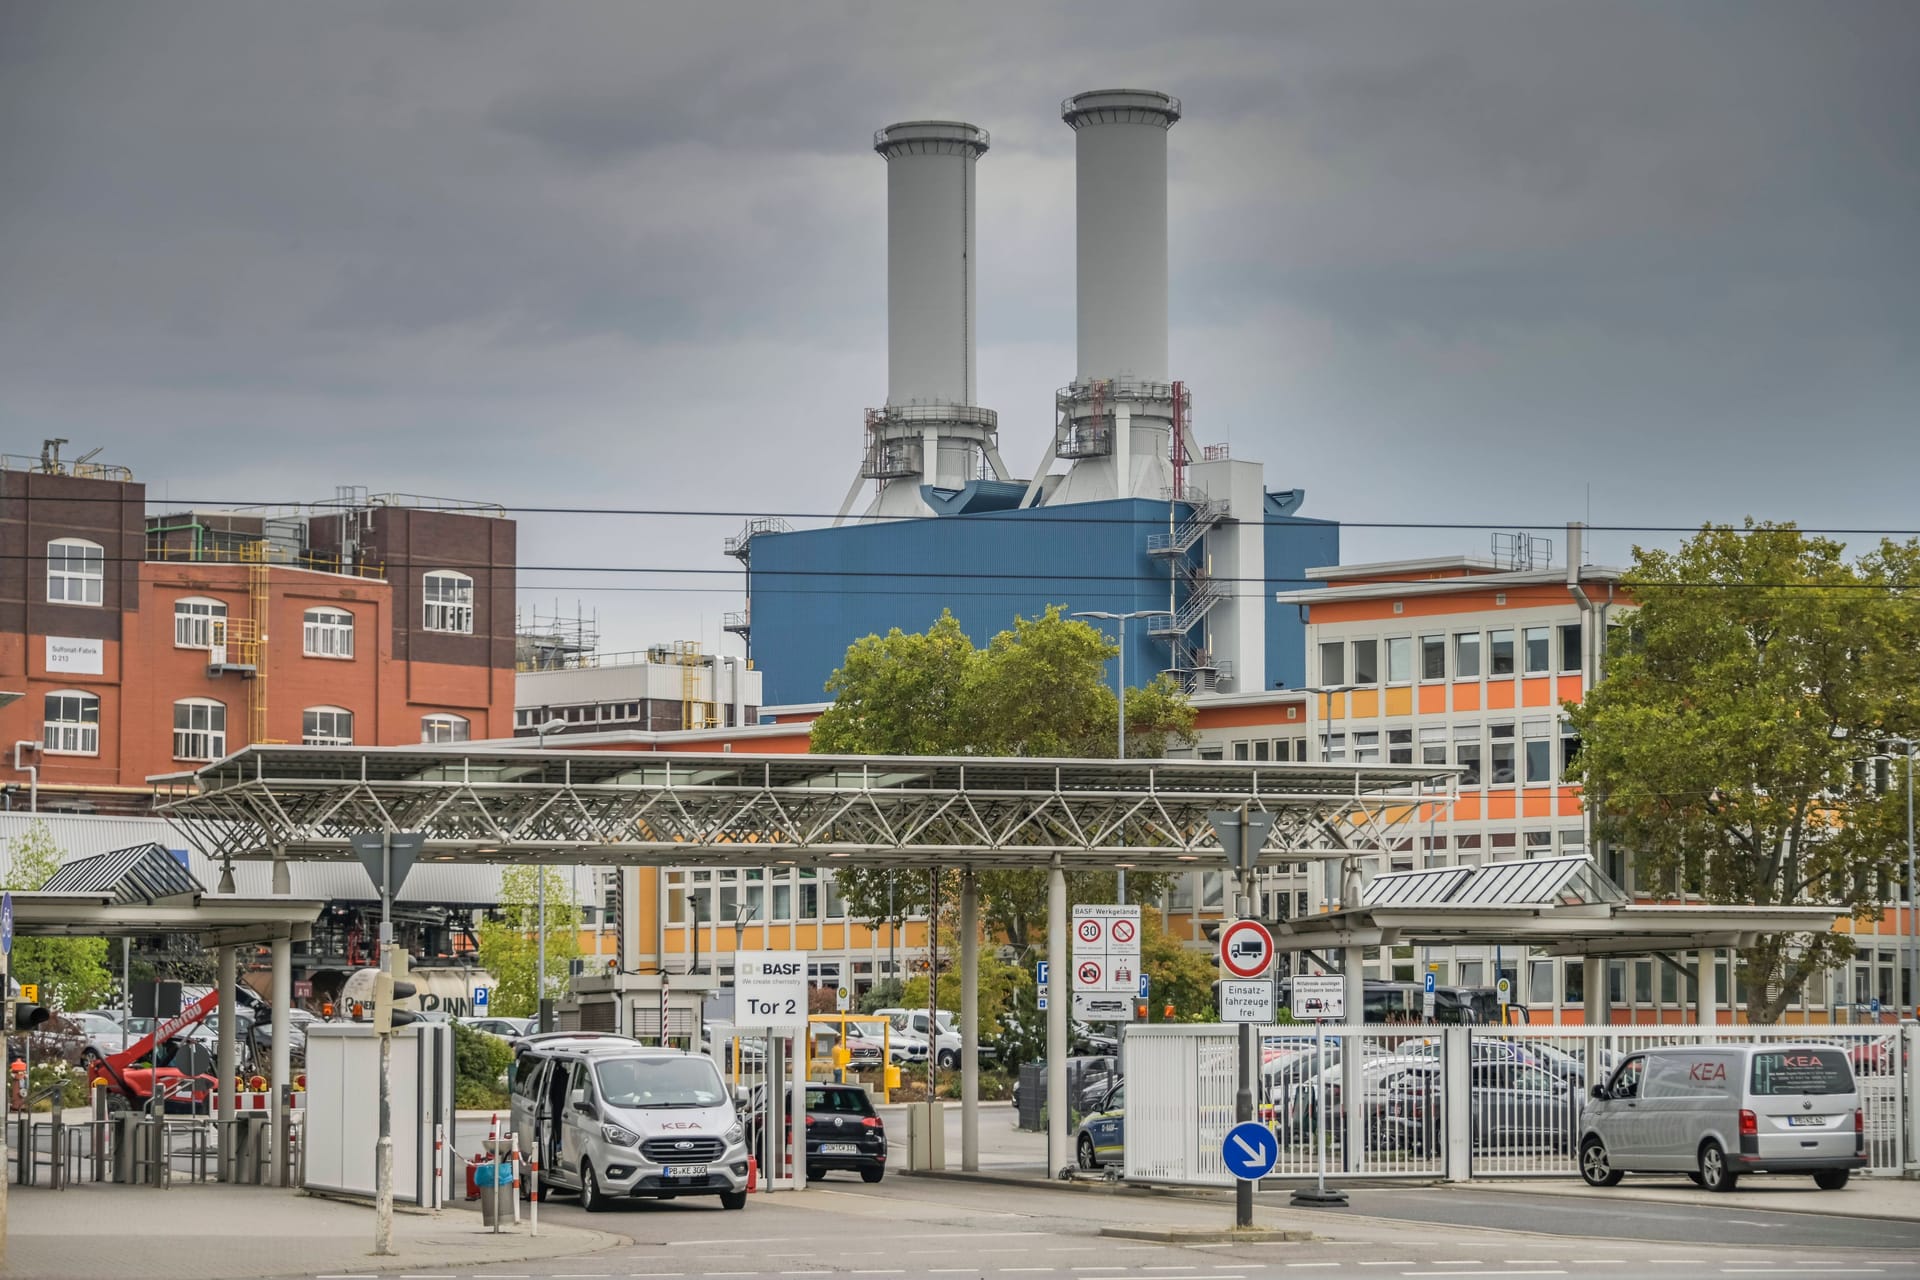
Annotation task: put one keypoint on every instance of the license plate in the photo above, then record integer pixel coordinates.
(1803, 1122)
(838, 1149)
(684, 1171)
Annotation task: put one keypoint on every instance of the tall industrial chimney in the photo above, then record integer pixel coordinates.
(930, 432)
(1114, 422)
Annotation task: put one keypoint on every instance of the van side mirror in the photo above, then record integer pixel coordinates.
(741, 1095)
(579, 1100)
(1600, 1093)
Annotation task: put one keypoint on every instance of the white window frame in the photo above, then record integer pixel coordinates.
(193, 619)
(456, 728)
(73, 735)
(206, 740)
(82, 584)
(446, 602)
(324, 634)
(322, 727)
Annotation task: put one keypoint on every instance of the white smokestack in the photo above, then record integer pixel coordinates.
(930, 432)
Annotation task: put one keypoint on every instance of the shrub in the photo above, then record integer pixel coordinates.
(480, 1064)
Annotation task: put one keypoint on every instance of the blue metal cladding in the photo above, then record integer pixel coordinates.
(1294, 545)
(815, 592)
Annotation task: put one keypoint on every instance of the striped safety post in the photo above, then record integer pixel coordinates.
(533, 1183)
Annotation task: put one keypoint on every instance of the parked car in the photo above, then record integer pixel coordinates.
(512, 1030)
(1101, 1138)
(913, 1023)
(865, 1054)
(843, 1132)
(1717, 1112)
(1088, 1079)
(1511, 1107)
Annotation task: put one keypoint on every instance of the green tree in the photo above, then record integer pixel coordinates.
(1723, 748)
(510, 939)
(1177, 974)
(72, 972)
(1037, 689)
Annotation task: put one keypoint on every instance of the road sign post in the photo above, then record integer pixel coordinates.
(1249, 1152)
(1427, 997)
(1323, 998)
(1246, 950)
(1106, 961)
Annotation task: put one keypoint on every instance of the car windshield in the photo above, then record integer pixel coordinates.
(659, 1082)
(1779, 1071)
(844, 1102)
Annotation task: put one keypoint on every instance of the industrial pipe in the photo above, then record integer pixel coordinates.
(31, 770)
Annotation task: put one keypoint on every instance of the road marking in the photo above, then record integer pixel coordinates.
(864, 1273)
(806, 1273)
(1609, 1261)
(1794, 1271)
(1035, 1270)
(1184, 1268)
(1696, 1262)
(1392, 1262)
(1071, 1248)
(1483, 1273)
(1305, 1265)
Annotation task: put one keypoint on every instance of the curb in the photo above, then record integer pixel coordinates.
(1208, 1235)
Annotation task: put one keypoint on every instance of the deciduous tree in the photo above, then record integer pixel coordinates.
(1723, 748)
(72, 972)
(510, 939)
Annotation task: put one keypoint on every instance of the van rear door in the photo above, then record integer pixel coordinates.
(1803, 1099)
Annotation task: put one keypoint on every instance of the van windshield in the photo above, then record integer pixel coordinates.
(1778, 1071)
(659, 1082)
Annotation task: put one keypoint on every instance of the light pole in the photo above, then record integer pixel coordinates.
(1909, 748)
(1120, 874)
(1326, 692)
(540, 909)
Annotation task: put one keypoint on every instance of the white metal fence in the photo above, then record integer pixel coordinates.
(1518, 1114)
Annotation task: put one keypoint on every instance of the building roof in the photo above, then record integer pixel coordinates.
(1503, 581)
(143, 873)
(814, 810)
(1562, 906)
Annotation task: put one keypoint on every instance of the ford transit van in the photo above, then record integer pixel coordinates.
(614, 1119)
(1717, 1111)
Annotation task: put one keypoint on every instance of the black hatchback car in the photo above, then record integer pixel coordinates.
(844, 1133)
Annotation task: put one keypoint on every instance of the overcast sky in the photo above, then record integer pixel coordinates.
(1430, 261)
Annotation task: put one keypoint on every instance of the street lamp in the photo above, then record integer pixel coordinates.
(1909, 749)
(1348, 874)
(540, 922)
(1120, 874)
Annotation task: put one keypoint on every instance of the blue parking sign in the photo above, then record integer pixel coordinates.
(1430, 982)
(480, 995)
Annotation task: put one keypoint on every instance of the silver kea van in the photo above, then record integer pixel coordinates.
(1717, 1111)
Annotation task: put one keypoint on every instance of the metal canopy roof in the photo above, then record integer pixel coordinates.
(1563, 906)
(214, 919)
(513, 805)
(141, 873)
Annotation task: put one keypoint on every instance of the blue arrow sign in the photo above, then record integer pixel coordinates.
(1250, 1150)
(1429, 982)
(6, 924)
(1874, 1005)
(1040, 972)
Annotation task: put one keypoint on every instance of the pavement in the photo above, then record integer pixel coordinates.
(213, 1232)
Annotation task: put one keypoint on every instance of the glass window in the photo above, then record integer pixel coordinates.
(1213, 889)
(1366, 662)
(193, 622)
(1539, 645)
(1333, 662)
(1500, 651)
(1573, 981)
(1433, 657)
(72, 724)
(1540, 982)
(836, 905)
(1433, 744)
(1501, 757)
(1569, 751)
(445, 728)
(1399, 746)
(1241, 751)
(1261, 748)
(1366, 747)
(447, 597)
(328, 633)
(1399, 659)
(1570, 647)
(326, 727)
(76, 571)
(1335, 745)
(199, 729)
(1539, 844)
(1466, 753)
(1539, 755)
(1466, 655)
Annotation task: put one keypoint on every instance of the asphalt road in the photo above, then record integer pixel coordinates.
(910, 1228)
(1603, 1217)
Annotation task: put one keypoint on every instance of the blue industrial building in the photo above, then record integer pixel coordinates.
(813, 593)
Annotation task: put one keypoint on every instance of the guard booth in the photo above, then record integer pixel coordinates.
(343, 1123)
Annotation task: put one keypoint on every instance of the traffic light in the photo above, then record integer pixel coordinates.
(387, 993)
(25, 1015)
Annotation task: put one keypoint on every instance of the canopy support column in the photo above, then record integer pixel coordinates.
(1059, 1106)
(1596, 1010)
(1706, 996)
(1353, 967)
(969, 1022)
(282, 1075)
(226, 1058)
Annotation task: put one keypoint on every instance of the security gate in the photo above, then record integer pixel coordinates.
(1445, 1102)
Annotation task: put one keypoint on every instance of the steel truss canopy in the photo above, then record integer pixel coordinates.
(1560, 906)
(515, 805)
